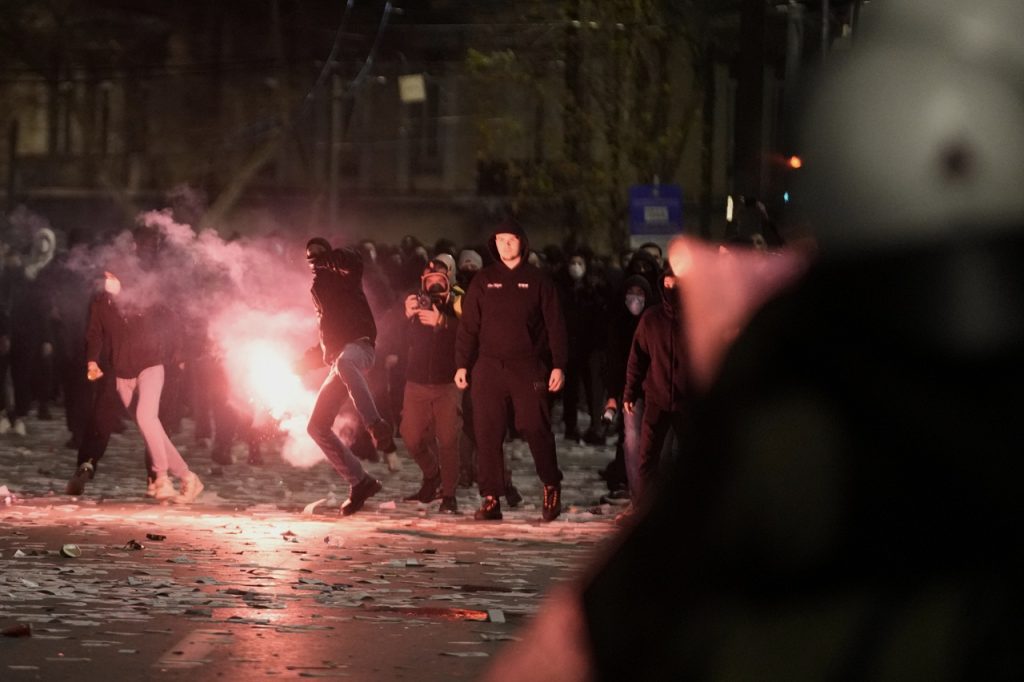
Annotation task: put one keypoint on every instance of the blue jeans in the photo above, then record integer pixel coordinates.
(631, 448)
(347, 379)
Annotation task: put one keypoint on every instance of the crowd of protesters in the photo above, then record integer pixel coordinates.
(609, 329)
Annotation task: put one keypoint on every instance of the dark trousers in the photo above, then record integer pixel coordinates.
(582, 371)
(207, 385)
(431, 425)
(31, 376)
(105, 415)
(654, 430)
(5, 363)
(524, 383)
(77, 396)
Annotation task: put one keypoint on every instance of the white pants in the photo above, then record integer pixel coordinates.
(150, 384)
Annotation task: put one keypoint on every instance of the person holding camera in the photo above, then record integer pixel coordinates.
(431, 418)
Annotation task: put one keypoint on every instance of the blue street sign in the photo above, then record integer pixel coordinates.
(655, 209)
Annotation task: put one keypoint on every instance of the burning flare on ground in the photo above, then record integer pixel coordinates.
(259, 348)
(270, 382)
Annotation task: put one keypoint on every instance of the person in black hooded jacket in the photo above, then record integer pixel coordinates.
(348, 334)
(636, 298)
(657, 372)
(513, 335)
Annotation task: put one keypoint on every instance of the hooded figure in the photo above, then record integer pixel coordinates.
(512, 334)
(657, 373)
(44, 245)
(470, 263)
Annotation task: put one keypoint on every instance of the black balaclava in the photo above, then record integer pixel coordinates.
(316, 258)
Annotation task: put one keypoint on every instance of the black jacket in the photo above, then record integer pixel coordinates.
(620, 337)
(658, 366)
(431, 350)
(134, 341)
(512, 315)
(341, 305)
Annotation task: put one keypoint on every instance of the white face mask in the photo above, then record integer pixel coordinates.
(635, 304)
(112, 286)
(576, 271)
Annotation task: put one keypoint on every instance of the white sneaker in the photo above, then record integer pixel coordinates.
(191, 486)
(5, 425)
(150, 487)
(394, 464)
(163, 489)
(19, 426)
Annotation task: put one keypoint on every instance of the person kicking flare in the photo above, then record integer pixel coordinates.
(347, 337)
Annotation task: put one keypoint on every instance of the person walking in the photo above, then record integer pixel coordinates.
(138, 347)
(512, 334)
(657, 387)
(432, 420)
(348, 335)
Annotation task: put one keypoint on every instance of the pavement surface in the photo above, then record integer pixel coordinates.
(261, 577)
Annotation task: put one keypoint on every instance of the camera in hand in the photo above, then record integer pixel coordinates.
(424, 301)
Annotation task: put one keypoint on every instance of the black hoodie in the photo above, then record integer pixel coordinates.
(341, 305)
(620, 336)
(511, 314)
(658, 366)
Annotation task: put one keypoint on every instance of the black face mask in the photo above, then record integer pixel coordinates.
(464, 277)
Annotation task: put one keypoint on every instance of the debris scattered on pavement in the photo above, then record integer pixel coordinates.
(70, 551)
(17, 630)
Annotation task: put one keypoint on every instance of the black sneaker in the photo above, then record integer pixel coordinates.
(552, 502)
(620, 496)
(512, 496)
(449, 505)
(490, 510)
(383, 436)
(76, 486)
(362, 491)
(429, 490)
(222, 455)
(594, 436)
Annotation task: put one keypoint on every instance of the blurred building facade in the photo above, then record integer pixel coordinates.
(115, 104)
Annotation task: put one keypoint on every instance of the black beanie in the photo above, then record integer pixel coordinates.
(318, 241)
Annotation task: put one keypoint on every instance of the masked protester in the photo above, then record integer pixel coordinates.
(33, 332)
(584, 303)
(636, 298)
(431, 416)
(512, 334)
(469, 263)
(139, 340)
(657, 374)
(347, 338)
